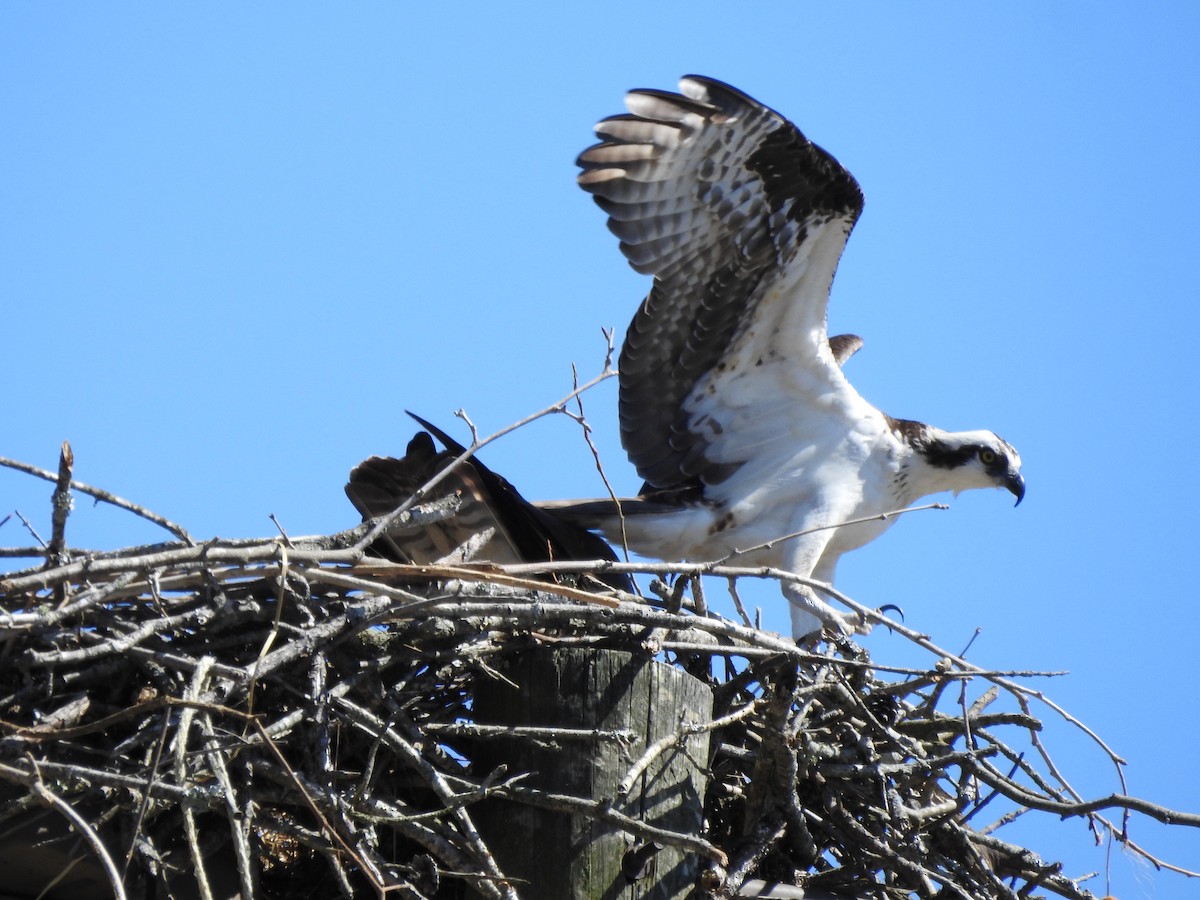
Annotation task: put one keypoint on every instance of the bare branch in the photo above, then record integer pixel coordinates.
(101, 495)
(61, 504)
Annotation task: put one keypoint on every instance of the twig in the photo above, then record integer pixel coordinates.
(440, 786)
(282, 531)
(61, 503)
(28, 527)
(330, 831)
(82, 827)
(737, 603)
(603, 810)
(280, 596)
(191, 831)
(103, 496)
(587, 436)
(881, 517)
(686, 730)
(239, 824)
(144, 805)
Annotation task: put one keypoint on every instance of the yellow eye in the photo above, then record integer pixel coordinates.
(986, 456)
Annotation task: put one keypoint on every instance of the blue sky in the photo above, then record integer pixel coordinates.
(237, 242)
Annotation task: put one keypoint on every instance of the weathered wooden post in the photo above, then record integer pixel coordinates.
(565, 855)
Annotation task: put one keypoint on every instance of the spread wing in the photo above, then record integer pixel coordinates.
(741, 220)
(493, 522)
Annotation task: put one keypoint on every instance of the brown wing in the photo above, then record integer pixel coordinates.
(380, 484)
(493, 521)
(715, 195)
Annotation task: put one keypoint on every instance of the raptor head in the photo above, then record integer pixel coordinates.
(1001, 463)
(961, 460)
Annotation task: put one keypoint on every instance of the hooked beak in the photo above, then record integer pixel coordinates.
(1016, 486)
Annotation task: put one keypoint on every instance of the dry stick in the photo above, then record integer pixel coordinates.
(319, 720)
(61, 503)
(529, 584)
(602, 809)
(271, 635)
(587, 436)
(239, 827)
(533, 732)
(144, 804)
(993, 692)
(24, 552)
(103, 496)
(92, 567)
(1015, 792)
(191, 832)
(881, 517)
(330, 549)
(520, 612)
(191, 577)
(1020, 764)
(315, 809)
(115, 645)
(282, 531)
(1145, 854)
(82, 826)
(748, 859)
(215, 551)
(476, 793)
(81, 602)
(1052, 766)
(737, 602)
(438, 782)
(136, 785)
(28, 527)
(480, 572)
(686, 730)
(188, 576)
(698, 601)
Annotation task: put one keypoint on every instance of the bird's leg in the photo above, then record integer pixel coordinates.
(811, 615)
(810, 612)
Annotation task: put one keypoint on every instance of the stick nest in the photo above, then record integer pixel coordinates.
(263, 717)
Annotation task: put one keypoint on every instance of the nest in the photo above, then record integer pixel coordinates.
(293, 718)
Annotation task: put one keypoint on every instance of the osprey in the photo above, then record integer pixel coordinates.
(733, 404)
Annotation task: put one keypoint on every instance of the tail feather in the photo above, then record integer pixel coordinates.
(603, 514)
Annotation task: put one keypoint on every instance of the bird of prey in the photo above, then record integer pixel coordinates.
(733, 404)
